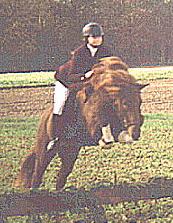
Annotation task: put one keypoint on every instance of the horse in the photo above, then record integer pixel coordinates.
(105, 109)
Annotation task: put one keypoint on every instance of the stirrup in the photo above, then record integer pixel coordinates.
(52, 143)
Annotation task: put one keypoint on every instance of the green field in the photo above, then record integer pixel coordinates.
(44, 78)
(151, 156)
(26, 79)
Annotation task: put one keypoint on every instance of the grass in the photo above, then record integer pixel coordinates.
(149, 157)
(16, 139)
(152, 73)
(26, 79)
(44, 78)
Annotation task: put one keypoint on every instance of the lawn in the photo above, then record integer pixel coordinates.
(151, 156)
(152, 73)
(45, 78)
(26, 79)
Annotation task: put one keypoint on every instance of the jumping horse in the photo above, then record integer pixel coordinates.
(106, 109)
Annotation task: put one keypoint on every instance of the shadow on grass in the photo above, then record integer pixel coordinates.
(36, 202)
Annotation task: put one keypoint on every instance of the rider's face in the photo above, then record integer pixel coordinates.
(95, 40)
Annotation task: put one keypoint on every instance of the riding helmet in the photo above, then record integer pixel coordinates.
(92, 29)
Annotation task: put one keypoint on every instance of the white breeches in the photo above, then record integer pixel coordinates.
(61, 94)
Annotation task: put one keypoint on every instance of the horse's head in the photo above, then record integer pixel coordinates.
(127, 104)
(116, 99)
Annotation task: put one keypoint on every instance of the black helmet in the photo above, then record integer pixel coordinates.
(92, 29)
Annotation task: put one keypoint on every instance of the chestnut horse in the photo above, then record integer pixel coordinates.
(105, 109)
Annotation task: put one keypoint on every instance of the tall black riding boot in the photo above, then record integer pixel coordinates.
(56, 126)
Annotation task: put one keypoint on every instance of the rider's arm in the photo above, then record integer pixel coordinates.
(64, 75)
(73, 71)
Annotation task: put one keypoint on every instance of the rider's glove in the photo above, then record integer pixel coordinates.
(87, 75)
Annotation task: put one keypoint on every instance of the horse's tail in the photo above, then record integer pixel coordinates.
(24, 177)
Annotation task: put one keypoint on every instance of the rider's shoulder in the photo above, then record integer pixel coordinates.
(106, 49)
(82, 48)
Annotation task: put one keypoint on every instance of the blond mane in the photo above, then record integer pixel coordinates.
(111, 71)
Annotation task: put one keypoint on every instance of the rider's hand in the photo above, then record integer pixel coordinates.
(88, 74)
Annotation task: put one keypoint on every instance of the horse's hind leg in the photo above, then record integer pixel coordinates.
(24, 177)
(42, 161)
(67, 164)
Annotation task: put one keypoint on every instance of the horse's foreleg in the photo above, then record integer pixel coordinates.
(24, 177)
(67, 164)
(42, 161)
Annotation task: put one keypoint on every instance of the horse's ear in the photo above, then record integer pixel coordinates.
(141, 86)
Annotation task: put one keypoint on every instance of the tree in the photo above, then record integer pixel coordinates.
(39, 34)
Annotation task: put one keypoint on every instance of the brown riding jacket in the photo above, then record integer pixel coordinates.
(80, 63)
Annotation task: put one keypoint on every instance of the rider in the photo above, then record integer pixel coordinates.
(77, 69)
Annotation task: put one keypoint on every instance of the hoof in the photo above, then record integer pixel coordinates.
(124, 137)
(103, 143)
(18, 183)
(107, 136)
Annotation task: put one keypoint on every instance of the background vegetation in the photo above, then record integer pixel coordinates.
(39, 35)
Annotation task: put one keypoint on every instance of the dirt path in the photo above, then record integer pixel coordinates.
(157, 98)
